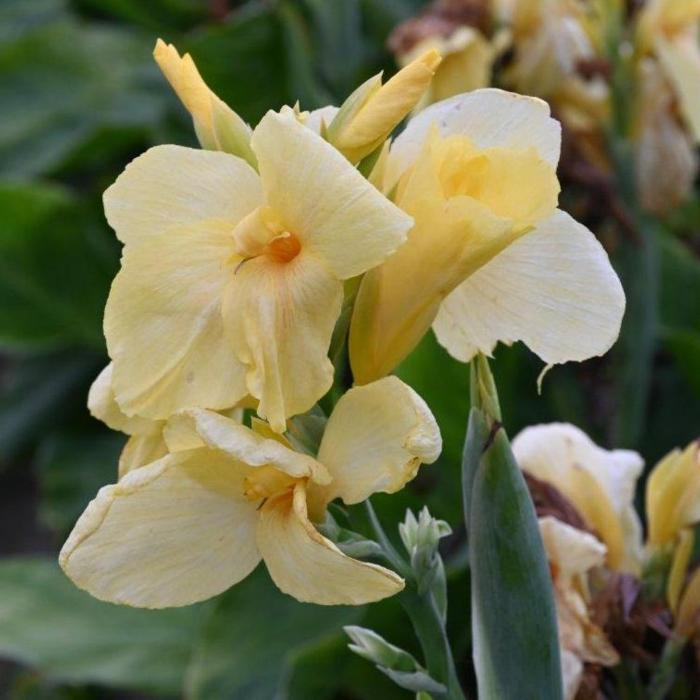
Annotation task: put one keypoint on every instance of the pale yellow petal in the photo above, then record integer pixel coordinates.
(572, 551)
(171, 186)
(168, 534)
(554, 289)
(104, 407)
(321, 116)
(673, 494)
(279, 319)
(241, 444)
(376, 439)
(680, 58)
(164, 327)
(679, 568)
(309, 567)
(688, 618)
(489, 117)
(140, 450)
(599, 483)
(320, 198)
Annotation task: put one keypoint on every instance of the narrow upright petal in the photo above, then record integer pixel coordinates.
(170, 186)
(164, 326)
(322, 200)
(309, 567)
(554, 289)
(279, 319)
(376, 439)
(168, 534)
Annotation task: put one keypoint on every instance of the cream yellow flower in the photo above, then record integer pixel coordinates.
(600, 484)
(572, 554)
(669, 29)
(688, 617)
(490, 257)
(231, 280)
(197, 521)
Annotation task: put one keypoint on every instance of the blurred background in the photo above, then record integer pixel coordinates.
(80, 96)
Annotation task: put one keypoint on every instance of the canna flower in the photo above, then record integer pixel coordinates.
(572, 554)
(191, 524)
(232, 279)
(669, 30)
(490, 257)
(371, 113)
(599, 483)
(688, 615)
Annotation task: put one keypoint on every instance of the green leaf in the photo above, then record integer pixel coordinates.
(251, 641)
(514, 621)
(71, 468)
(41, 392)
(680, 285)
(47, 623)
(55, 269)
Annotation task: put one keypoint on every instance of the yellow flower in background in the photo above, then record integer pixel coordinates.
(371, 113)
(231, 280)
(490, 257)
(572, 554)
(188, 526)
(599, 483)
(217, 126)
(669, 29)
(688, 617)
(673, 495)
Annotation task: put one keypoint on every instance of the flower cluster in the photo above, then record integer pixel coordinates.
(244, 260)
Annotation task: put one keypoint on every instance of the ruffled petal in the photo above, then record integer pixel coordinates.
(169, 534)
(170, 186)
(309, 567)
(325, 202)
(164, 327)
(554, 289)
(279, 319)
(376, 439)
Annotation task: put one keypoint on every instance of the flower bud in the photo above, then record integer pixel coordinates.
(370, 114)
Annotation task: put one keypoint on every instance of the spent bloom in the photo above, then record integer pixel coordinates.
(490, 257)
(599, 483)
(232, 277)
(191, 524)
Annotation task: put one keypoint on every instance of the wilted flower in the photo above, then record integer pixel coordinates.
(490, 257)
(231, 280)
(572, 554)
(599, 483)
(191, 524)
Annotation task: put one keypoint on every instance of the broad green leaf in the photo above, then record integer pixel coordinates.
(55, 269)
(680, 285)
(71, 468)
(250, 643)
(156, 15)
(516, 649)
(42, 392)
(47, 623)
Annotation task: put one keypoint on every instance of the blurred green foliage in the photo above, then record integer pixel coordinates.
(80, 97)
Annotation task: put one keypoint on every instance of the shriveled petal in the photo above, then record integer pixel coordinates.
(600, 483)
(279, 319)
(168, 534)
(309, 567)
(376, 439)
(164, 328)
(141, 450)
(324, 201)
(680, 58)
(572, 673)
(104, 407)
(572, 551)
(172, 186)
(240, 443)
(489, 117)
(554, 289)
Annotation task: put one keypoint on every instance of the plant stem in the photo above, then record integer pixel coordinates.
(424, 614)
(665, 672)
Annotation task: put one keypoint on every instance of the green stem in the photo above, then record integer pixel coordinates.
(665, 672)
(424, 614)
